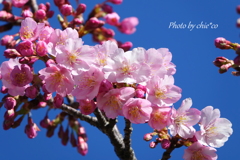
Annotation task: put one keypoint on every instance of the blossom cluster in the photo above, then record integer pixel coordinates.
(137, 84)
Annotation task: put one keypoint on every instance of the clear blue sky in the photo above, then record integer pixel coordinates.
(193, 53)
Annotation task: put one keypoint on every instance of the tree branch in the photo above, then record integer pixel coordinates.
(91, 120)
(33, 5)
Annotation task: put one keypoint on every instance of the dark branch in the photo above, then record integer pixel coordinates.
(33, 5)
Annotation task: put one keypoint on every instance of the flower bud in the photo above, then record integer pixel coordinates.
(66, 10)
(47, 97)
(128, 25)
(93, 23)
(152, 144)
(42, 6)
(6, 40)
(11, 53)
(40, 14)
(105, 86)
(10, 103)
(9, 114)
(125, 46)
(31, 129)
(50, 131)
(147, 137)
(4, 90)
(73, 140)
(219, 61)
(31, 92)
(7, 124)
(81, 8)
(107, 8)
(65, 137)
(50, 14)
(60, 132)
(41, 48)
(58, 101)
(59, 3)
(26, 13)
(237, 60)
(45, 123)
(222, 43)
(19, 3)
(112, 18)
(82, 146)
(165, 143)
(42, 104)
(115, 1)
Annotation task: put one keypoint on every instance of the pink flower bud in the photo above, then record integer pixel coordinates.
(42, 104)
(73, 140)
(93, 23)
(115, 1)
(10, 103)
(237, 60)
(147, 137)
(152, 144)
(24, 60)
(40, 14)
(224, 68)
(125, 46)
(50, 62)
(6, 40)
(31, 128)
(112, 18)
(77, 21)
(9, 114)
(108, 33)
(222, 43)
(128, 25)
(81, 8)
(58, 101)
(165, 143)
(42, 6)
(47, 97)
(59, 3)
(50, 131)
(25, 48)
(219, 61)
(26, 13)
(48, 5)
(50, 14)
(140, 93)
(7, 124)
(106, 8)
(45, 123)
(19, 3)
(105, 86)
(238, 9)
(87, 106)
(60, 132)
(4, 90)
(65, 137)
(41, 48)
(66, 9)
(82, 146)
(31, 92)
(82, 133)
(11, 53)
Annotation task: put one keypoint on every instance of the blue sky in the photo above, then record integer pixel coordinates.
(193, 53)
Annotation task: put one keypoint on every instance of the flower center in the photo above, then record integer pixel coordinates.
(134, 111)
(27, 32)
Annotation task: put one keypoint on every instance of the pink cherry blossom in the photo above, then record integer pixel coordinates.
(112, 18)
(6, 69)
(41, 48)
(87, 106)
(45, 34)
(75, 56)
(57, 79)
(128, 25)
(111, 102)
(25, 48)
(21, 75)
(199, 152)
(160, 62)
(87, 83)
(160, 117)
(163, 91)
(137, 110)
(214, 131)
(127, 67)
(19, 3)
(30, 29)
(183, 119)
(103, 52)
(59, 37)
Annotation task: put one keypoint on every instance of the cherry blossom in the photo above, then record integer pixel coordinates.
(183, 119)
(214, 131)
